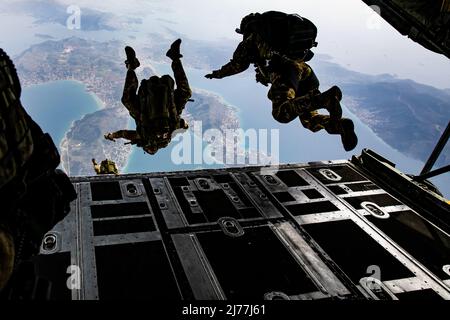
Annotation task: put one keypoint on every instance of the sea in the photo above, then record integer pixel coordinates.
(55, 105)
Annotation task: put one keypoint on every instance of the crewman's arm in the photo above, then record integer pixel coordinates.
(131, 135)
(96, 166)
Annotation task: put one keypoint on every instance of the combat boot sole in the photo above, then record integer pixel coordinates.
(132, 62)
(336, 92)
(174, 51)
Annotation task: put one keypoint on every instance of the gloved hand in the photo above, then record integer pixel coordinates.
(213, 75)
(109, 136)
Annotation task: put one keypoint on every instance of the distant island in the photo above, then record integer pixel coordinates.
(408, 116)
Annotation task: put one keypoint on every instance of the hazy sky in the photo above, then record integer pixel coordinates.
(349, 31)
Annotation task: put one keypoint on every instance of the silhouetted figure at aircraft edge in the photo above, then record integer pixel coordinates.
(105, 167)
(34, 194)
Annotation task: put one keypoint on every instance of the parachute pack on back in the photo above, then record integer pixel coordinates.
(287, 34)
(156, 101)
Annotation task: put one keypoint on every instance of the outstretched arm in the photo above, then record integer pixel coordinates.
(131, 135)
(240, 62)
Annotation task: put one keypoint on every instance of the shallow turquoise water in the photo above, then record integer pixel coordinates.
(55, 105)
(297, 145)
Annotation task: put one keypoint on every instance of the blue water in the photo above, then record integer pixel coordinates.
(55, 105)
(296, 143)
(140, 161)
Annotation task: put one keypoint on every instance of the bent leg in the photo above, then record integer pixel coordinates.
(183, 91)
(284, 111)
(285, 106)
(282, 96)
(329, 100)
(129, 96)
(315, 122)
(344, 127)
(292, 92)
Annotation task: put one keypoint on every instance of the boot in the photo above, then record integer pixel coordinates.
(174, 51)
(132, 62)
(330, 100)
(348, 135)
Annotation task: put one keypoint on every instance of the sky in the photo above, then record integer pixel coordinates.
(349, 31)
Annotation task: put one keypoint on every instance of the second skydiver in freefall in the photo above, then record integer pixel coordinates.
(279, 44)
(157, 106)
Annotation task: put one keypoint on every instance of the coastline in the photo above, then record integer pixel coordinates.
(96, 106)
(198, 83)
